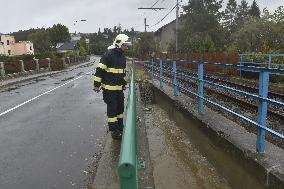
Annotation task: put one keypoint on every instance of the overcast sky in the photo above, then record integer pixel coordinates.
(24, 14)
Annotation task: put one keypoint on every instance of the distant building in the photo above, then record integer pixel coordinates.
(59, 45)
(68, 46)
(166, 34)
(9, 47)
(76, 37)
(23, 47)
(6, 42)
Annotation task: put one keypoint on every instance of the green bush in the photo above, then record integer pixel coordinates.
(70, 54)
(44, 55)
(16, 58)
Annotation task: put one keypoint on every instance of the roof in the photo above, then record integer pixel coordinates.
(164, 26)
(161, 28)
(68, 46)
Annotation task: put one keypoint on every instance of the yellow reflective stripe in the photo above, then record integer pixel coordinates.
(120, 116)
(103, 66)
(112, 87)
(97, 79)
(114, 70)
(93, 77)
(112, 119)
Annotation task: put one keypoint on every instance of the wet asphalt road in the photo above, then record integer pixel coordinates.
(53, 140)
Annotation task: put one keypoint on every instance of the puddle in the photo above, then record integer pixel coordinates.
(10, 89)
(68, 78)
(39, 79)
(177, 162)
(81, 73)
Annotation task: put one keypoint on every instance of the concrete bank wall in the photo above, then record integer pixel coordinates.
(227, 145)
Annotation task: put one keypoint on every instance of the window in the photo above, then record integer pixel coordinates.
(9, 52)
(8, 42)
(0, 37)
(31, 48)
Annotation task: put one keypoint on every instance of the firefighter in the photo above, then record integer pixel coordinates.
(110, 77)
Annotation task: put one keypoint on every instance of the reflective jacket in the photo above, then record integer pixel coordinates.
(110, 73)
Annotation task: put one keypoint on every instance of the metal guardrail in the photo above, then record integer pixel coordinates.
(128, 163)
(262, 97)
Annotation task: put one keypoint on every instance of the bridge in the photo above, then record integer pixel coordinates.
(185, 127)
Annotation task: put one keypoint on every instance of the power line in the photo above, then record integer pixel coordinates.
(155, 3)
(164, 17)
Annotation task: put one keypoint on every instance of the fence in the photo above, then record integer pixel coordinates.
(128, 163)
(35, 65)
(158, 69)
(261, 60)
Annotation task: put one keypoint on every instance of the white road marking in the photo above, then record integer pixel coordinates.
(36, 97)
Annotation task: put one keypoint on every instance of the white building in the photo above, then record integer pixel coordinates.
(6, 43)
(9, 47)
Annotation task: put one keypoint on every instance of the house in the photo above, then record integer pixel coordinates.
(9, 47)
(23, 47)
(6, 42)
(166, 35)
(68, 46)
(75, 36)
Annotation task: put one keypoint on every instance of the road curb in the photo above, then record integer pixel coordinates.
(34, 76)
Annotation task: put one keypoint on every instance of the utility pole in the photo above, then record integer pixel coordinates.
(151, 8)
(76, 21)
(177, 9)
(145, 22)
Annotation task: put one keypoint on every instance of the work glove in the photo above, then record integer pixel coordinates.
(96, 89)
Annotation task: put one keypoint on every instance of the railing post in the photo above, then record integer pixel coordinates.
(161, 74)
(64, 63)
(37, 65)
(262, 110)
(226, 62)
(269, 63)
(152, 69)
(241, 64)
(68, 60)
(200, 88)
(2, 69)
(48, 63)
(22, 66)
(175, 77)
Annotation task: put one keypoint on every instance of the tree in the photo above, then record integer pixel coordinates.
(146, 45)
(278, 15)
(82, 46)
(259, 35)
(199, 42)
(242, 13)
(22, 35)
(202, 15)
(230, 15)
(254, 10)
(59, 34)
(41, 41)
(202, 18)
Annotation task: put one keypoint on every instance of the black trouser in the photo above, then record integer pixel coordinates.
(115, 108)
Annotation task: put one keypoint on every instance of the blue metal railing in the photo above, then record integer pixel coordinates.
(268, 64)
(262, 97)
